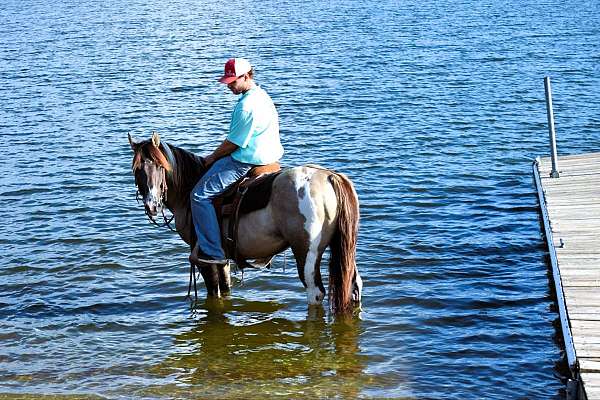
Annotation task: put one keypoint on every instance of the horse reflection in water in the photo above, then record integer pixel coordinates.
(245, 349)
(310, 209)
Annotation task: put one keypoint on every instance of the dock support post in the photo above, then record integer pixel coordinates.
(553, 153)
(573, 389)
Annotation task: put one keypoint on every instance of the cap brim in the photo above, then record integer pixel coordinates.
(227, 79)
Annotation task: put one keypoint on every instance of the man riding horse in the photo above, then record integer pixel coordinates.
(253, 140)
(307, 208)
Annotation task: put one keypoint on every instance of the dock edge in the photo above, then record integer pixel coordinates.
(572, 386)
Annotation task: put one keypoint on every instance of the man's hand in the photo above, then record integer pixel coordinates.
(223, 150)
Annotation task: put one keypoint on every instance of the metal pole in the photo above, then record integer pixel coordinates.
(554, 156)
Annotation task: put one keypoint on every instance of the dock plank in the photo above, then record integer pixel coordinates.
(575, 315)
(591, 367)
(571, 217)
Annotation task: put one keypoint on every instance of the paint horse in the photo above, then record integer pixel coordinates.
(310, 209)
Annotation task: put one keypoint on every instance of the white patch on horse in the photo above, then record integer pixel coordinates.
(154, 195)
(359, 285)
(312, 226)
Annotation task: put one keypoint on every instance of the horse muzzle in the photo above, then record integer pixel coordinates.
(153, 205)
(151, 210)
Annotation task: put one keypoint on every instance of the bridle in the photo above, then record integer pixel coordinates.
(161, 200)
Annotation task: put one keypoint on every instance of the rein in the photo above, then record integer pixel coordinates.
(166, 222)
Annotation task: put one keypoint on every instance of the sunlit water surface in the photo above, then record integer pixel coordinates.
(434, 109)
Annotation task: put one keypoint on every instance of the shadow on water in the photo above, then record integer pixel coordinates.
(234, 350)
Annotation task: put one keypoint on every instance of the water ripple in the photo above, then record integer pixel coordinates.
(434, 110)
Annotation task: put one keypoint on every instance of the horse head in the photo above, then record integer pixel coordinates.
(150, 167)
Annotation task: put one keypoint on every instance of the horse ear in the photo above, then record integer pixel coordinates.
(155, 139)
(132, 142)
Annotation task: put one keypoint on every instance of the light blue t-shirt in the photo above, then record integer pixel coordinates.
(255, 129)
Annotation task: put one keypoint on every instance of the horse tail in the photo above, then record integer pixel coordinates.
(342, 263)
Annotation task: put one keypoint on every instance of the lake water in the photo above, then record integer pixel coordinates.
(435, 109)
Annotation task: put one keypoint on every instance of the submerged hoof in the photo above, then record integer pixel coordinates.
(315, 297)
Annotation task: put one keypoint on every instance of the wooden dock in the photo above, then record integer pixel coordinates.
(570, 206)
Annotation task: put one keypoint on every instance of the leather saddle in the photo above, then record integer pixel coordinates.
(250, 193)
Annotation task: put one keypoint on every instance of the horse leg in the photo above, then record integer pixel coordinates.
(316, 287)
(224, 278)
(211, 279)
(308, 261)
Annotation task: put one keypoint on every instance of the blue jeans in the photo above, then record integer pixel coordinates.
(222, 174)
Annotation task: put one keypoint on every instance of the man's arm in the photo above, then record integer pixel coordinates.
(223, 150)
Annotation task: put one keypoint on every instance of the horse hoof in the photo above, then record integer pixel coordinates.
(315, 297)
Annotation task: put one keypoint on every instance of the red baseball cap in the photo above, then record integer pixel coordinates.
(235, 68)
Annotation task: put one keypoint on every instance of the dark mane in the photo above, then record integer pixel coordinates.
(187, 170)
